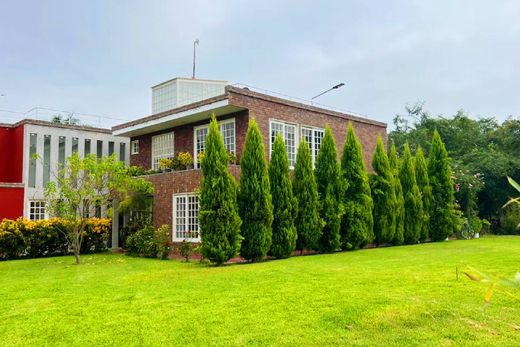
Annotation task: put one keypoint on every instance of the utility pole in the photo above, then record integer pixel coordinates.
(195, 43)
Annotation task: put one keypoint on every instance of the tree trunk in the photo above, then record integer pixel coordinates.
(76, 255)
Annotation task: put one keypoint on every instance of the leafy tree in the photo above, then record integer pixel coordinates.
(399, 198)
(442, 213)
(413, 209)
(308, 223)
(329, 192)
(83, 183)
(67, 120)
(383, 194)
(284, 202)
(254, 197)
(357, 221)
(218, 214)
(423, 183)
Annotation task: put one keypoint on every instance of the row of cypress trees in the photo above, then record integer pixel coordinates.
(332, 206)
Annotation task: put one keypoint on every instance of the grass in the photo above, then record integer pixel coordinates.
(393, 296)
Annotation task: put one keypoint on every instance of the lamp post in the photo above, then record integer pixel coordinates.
(328, 90)
(196, 42)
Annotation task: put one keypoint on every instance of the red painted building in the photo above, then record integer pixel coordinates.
(11, 171)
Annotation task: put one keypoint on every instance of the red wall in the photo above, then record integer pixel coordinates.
(11, 202)
(11, 154)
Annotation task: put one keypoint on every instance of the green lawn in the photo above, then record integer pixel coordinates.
(389, 296)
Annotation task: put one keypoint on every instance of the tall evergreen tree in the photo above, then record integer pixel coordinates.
(284, 202)
(423, 182)
(442, 210)
(254, 197)
(383, 194)
(399, 198)
(329, 192)
(413, 209)
(218, 213)
(308, 222)
(357, 222)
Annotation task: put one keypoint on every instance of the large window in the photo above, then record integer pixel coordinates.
(162, 147)
(87, 147)
(46, 159)
(313, 138)
(288, 132)
(61, 151)
(186, 218)
(36, 210)
(227, 130)
(33, 143)
(75, 142)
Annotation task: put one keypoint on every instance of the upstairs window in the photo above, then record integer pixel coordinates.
(162, 147)
(288, 132)
(227, 130)
(313, 137)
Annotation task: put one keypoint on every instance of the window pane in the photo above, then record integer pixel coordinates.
(74, 144)
(99, 148)
(32, 161)
(110, 148)
(162, 147)
(87, 147)
(36, 210)
(61, 151)
(122, 151)
(46, 159)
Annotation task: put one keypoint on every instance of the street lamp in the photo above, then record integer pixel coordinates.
(328, 90)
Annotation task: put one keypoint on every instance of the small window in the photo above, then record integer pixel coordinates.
(46, 159)
(135, 146)
(162, 148)
(186, 218)
(61, 151)
(36, 210)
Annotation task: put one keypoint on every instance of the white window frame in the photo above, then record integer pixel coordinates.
(206, 126)
(37, 208)
(156, 158)
(135, 146)
(186, 217)
(296, 138)
(312, 145)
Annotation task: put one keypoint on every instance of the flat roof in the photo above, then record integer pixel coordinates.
(56, 125)
(191, 80)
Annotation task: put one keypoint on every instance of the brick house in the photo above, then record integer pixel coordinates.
(184, 128)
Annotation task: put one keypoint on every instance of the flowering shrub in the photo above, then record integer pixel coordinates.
(150, 243)
(23, 238)
(467, 186)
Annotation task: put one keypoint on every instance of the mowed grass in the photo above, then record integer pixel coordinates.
(403, 296)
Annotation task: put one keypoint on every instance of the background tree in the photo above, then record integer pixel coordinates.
(284, 202)
(413, 209)
(383, 194)
(83, 183)
(218, 213)
(442, 214)
(399, 198)
(423, 183)
(254, 197)
(308, 222)
(329, 192)
(357, 221)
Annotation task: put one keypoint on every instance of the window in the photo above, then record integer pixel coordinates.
(186, 218)
(87, 147)
(122, 151)
(99, 148)
(46, 159)
(36, 210)
(227, 130)
(313, 137)
(61, 151)
(162, 147)
(135, 146)
(110, 148)
(74, 145)
(33, 138)
(288, 132)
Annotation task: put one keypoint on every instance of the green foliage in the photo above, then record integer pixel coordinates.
(162, 239)
(399, 198)
(142, 243)
(509, 220)
(383, 194)
(218, 215)
(284, 202)
(442, 214)
(413, 209)
(423, 183)
(308, 223)
(186, 249)
(330, 192)
(357, 222)
(254, 198)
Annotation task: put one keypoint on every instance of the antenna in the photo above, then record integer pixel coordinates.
(195, 43)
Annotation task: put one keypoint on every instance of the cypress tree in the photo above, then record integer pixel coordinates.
(423, 182)
(383, 194)
(442, 210)
(254, 197)
(399, 198)
(413, 209)
(218, 213)
(308, 222)
(357, 221)
(284, 203)
(329, 192)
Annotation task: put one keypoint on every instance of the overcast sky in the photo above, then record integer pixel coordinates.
(102, 57)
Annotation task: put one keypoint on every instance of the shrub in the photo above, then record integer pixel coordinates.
(142, 243)
(12, 243)
(423, 182)
(162, 240)
(96, 235)
(186, 249)
(399, 198)
(413, 209)
(509, 220)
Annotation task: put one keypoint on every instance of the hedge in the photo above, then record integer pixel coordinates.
(24, 238)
